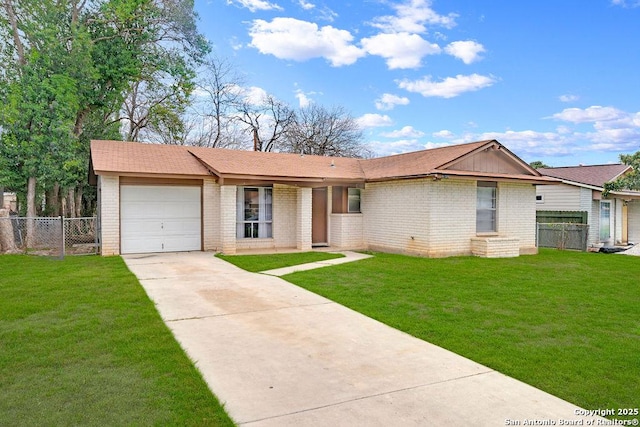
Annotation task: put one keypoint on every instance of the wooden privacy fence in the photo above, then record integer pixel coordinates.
(562, 235)
(558, 217)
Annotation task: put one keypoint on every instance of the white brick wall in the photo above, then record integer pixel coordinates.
(517, 214)
(453, 218)
(346, 231)
(210, 215)
(495, 247)
(284, 216)
(395, 216)
(303, 219)
(109, 205)
(423, 217)
(228, 219)
(438, 218)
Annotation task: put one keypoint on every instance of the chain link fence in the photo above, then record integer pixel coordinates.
(54, 237)
(563, 236)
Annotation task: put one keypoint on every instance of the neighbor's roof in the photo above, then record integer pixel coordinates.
(594, 175)
(156, 159)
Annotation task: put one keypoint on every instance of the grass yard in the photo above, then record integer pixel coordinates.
(565, 322)
(81, 344)
(256, 263)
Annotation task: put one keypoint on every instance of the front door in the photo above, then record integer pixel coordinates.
(319, 217)
(605, 221)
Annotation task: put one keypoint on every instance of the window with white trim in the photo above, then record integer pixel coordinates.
(486, 205)
(254, 212)
(354, 200)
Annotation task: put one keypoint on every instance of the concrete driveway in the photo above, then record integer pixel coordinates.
(278, 355)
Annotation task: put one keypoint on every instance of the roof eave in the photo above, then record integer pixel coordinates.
(299, 180)
(542, 180)
(151, 174)
(446, 173)
(581, 184)
(631, 195)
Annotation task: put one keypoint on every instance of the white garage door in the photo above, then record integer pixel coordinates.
(159, 219)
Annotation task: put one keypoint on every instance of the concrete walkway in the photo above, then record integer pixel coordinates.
(349, 256)
(278, 355)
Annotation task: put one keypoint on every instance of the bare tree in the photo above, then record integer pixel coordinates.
(213, 116)
(267, 123)
(320, 131)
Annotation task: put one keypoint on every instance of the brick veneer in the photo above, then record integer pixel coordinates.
(109, 214)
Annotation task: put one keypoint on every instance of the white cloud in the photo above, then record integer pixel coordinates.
(388, 101)
(568, 98)
(619, 133)
(254, 95)
(389, 148)
(430, 145)
(405, 132)
(303, 99)
(468, 51)
(625, 3)
(374, 120)
(532, 143)
(413, 16)
(289, 38)
(447, 88)
(592, 114)
(445, 134)
(401, 50)
(254, 5)
(306, 5)
(235, 44)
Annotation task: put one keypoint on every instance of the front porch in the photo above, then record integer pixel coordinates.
(289, 219)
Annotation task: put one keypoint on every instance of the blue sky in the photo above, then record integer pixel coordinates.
(553, 80)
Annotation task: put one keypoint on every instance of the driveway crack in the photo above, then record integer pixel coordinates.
(249, 312)
(367, 397)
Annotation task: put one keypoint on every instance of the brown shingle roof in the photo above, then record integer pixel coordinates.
(134, 157)
(282, 165)
(594, 175)
(418, 162)
(154, 159)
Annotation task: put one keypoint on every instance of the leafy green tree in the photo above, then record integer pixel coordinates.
(68, 66)
(629, 181)
(538, 164)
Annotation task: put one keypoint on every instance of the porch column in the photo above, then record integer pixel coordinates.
(303, 219)
(109, 214)
(228, 219)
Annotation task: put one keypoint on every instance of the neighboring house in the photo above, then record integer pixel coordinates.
(476, 198)
(9, 202)
(614, 220)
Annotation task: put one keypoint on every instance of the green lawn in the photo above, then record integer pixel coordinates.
(256, 263)
(81, 344)
(565, 322)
